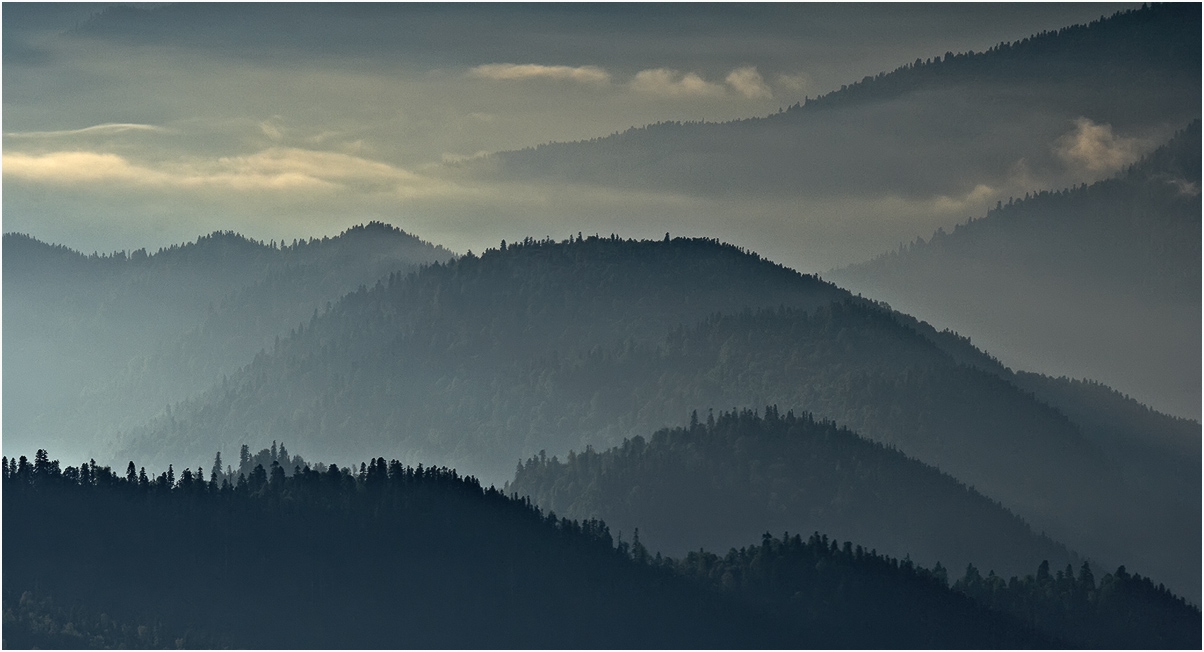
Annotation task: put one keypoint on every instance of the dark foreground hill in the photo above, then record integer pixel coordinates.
(96, 343)
(721, 481)
(1099, 281)
(402, 557)
(486, 360)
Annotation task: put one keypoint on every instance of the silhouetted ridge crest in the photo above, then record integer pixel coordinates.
(1168, 175)
(433, 550)
(721, 480)
(1154, 37)
(392, 543)
(554, 345)
(1163, 35)
(97, 343)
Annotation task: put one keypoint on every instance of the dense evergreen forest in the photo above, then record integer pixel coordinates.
(1132, 70)
(485, 360)
(95, 343)
(726, 478)
(1122, 611)
(1067, 275)
(396, 556)
(393, 557)
(409, 355)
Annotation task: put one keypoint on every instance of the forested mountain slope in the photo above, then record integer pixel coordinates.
(1099, 281)
(406, 356)
(93, 343)
(403, 557)
(1121, 611)
(937, 127)
(722, 480)
(487, 360)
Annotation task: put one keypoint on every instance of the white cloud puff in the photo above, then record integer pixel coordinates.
(748, 82)
(671, 83)
(1095, 148)
(511, 71)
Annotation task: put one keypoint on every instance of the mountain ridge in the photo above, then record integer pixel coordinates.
(678, 155)
(722, 480)
(1098, 281)
(123, 334)
(547, 345)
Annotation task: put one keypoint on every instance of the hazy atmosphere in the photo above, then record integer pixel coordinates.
(143, 127)
(836, 326)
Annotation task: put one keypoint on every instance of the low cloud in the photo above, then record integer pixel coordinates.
(748, 82)
(76, 167)
(671, 83)
(462, 158)
(512, 71)
(1185, 187)
(273, 169)
(1095, 148)
(977, 200)
(793, 83)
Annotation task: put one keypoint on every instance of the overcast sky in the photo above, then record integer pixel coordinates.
(145, 127)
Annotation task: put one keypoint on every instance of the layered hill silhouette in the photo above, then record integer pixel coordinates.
(413, 557)
(722, 480)
(940, 126)
(583, 360)
(1101, 279)
(93, 343)
(425, 558)
(1048, 112)
(545, 345)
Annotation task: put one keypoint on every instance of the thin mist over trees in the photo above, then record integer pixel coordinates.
(96, 343)
(557, 345)
(1007, 104)
(1101, 281)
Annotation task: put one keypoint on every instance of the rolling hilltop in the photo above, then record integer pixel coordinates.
(486, 360)
(699, 444)
(721, 481)
(93, 343)
(1109, 291)
(1099, 281)
(422, 557)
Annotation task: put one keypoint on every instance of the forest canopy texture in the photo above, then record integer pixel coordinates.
(422, 557)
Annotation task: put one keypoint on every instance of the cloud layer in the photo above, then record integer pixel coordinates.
(745, 81)
(671, 83)
(583, 74)
(272, 169)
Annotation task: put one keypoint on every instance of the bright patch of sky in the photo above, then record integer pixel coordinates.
(150, 125)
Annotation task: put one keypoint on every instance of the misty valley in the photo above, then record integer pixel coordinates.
(617, 440)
